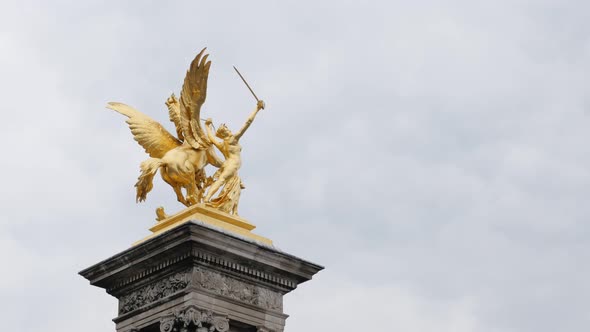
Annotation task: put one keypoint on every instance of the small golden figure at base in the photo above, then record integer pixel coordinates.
(160, 214)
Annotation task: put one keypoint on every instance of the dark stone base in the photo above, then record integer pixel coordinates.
(195, 278)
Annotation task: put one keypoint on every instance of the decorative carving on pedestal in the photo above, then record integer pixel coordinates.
(269, 299)
(238, 290)
(154, 292)
(192, 319)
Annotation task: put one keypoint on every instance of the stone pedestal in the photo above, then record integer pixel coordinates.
(195, 277)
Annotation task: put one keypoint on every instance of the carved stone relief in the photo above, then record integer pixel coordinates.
(154, 292)
(192, 319)
(207, 280)
(238, 290)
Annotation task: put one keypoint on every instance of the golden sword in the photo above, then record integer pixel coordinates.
(248, 85)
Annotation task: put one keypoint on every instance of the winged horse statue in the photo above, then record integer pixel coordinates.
(182, 159)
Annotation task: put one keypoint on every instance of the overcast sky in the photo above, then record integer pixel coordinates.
(433, 155)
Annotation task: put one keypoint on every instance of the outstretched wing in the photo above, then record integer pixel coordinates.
(174, 113)
(147, 132)
(192, 97)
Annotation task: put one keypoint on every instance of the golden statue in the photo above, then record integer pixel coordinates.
(227, 175)
(182, 159)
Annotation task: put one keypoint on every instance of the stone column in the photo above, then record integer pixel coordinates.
(196, 278)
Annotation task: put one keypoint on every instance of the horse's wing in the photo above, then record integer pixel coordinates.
(147, 132)
(192, 97)
(174, 113)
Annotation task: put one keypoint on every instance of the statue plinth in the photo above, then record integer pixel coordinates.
(194, 276)
(209, 216)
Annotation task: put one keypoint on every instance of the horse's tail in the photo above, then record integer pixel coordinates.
(144, 182)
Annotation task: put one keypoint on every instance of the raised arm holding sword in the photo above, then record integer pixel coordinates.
(231, 149)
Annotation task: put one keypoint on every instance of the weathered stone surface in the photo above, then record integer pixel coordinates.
(200, 275)
(154, 292)
(238, 290)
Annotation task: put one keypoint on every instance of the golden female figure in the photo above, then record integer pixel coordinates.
(227, 175)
